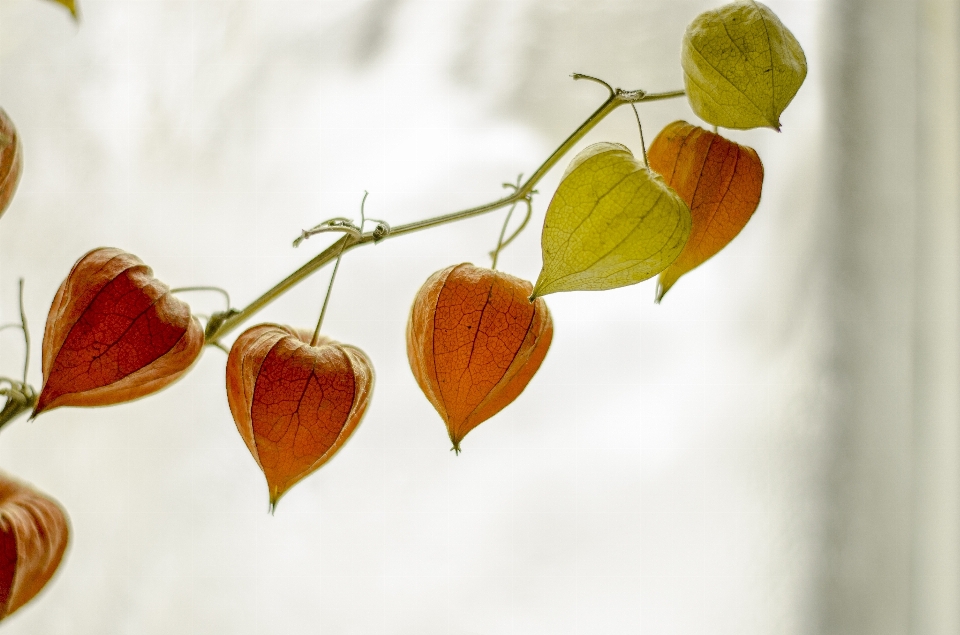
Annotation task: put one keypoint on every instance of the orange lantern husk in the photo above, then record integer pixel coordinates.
(114, 333)
(474, 342)
(295, 405)
(11, 160)
(719, 180)
(34, 533)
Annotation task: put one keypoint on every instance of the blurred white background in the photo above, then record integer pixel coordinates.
(771, 450)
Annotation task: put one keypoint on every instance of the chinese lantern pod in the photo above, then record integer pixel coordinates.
(718, 179)
(741, 66)
(114, 333)
(294, 404)
(474, 342)
(611, 223)
(33, 537)
(11, 160)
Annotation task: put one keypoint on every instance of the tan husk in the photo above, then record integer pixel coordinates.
(34, 533)
(11, 160)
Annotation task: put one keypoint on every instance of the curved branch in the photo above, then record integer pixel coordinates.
(227, 322)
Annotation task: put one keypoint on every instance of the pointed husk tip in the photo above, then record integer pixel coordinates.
(661, 291)
(275, 494)
(537, 289)
(39, 408)
(455, 441)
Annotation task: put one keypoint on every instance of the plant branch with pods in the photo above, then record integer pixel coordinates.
(222, 324)
(115, 333)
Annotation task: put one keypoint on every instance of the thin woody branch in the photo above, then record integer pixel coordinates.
(222, 324)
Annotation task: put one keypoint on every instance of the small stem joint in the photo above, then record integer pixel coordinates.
(215, 322)
(347, 226)
(21, 398)
(381, 231)
(631, 96)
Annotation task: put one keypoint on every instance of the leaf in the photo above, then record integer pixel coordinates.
(720, 180)
(11, 160)
(114, 333)
(741, 66)
(611, 223)
(474, 342)
(33, 537)
(71, 6)
(295, 405)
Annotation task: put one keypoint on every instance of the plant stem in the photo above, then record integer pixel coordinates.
(326, 301)
(347, 242)
(643, 144)
(495, 254)
(20, 396)
(222, 292)
(26, 336)
(523, 224)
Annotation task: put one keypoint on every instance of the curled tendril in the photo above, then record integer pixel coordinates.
(595, 79)
(339, 224)
(219, 290)
(347, 226)
(381, 231)
(627, 96)
(528, 201)
(526, 219)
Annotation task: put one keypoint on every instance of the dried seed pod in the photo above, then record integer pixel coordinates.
(741, 66)
(294, 404)
(114, 333)
(11, 160)
(33, 537)
(721, 182)
(474, 341)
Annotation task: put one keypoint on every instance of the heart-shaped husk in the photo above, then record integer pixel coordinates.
(611, 223)
(114, 333)
(294, 404)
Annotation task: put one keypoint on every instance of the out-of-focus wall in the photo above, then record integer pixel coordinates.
(663, 472)
(891, 241)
